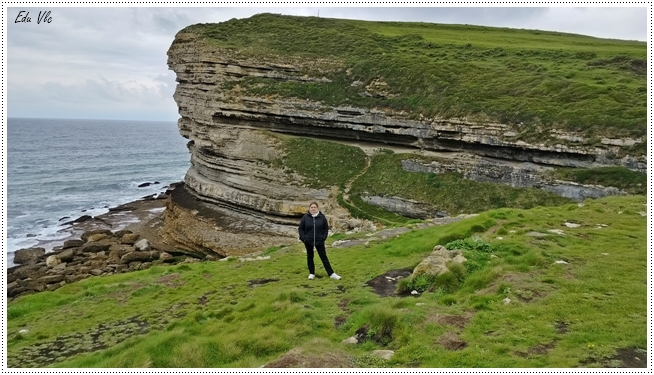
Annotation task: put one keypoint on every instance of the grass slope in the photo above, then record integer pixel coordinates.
(246, 314)
(542, 80)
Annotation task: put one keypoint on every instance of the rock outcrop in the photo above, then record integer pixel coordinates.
(100, 252)
(234, 200)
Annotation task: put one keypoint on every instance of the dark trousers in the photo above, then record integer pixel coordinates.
(322, 253)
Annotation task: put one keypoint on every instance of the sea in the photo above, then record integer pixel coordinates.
(66, 168)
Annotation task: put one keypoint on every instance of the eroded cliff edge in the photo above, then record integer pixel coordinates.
(235, 198)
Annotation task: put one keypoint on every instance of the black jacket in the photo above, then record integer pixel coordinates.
(313, 231)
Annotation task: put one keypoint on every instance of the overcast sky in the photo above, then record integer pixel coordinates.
(110, 63)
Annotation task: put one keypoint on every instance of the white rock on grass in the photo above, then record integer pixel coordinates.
(571, 225)
(557, 231)
(561, 262)
(350, 340)
(383, 354)
(507, 300)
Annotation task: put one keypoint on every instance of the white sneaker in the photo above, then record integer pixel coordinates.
(311, 276)
(334, 276)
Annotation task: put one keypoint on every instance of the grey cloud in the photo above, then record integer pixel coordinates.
(55, 69)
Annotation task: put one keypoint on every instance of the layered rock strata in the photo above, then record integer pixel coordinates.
(232, 178)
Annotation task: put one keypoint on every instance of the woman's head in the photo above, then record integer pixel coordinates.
(313, 208)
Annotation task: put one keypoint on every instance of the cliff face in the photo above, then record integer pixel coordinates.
(234, 200)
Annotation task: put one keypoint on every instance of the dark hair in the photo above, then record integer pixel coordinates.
(312, 203)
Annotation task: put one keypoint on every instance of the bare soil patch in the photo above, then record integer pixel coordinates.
(451, 341)
(540, 349)
(296, 359)
(257, 282)
(458, 321)
(561, 327)
(170, 280)
(385, 284)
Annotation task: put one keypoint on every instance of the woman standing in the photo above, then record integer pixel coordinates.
(313, 232)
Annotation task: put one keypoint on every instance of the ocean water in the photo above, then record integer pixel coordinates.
(60, 168)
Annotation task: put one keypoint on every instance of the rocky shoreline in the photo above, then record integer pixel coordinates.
(122, 240)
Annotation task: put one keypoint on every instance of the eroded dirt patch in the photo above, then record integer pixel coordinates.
(257, 282)
(170, 280)
(540, 349)
(561, 327)
(385, 284)
(204, 299)
(458, 321)
(452, 341)
(296, 359)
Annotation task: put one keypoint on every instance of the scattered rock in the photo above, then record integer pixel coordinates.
(129, 238)
(561, 262)
(24, 256)
(571, 225)
(52, 261)
(95, 247)
(536, 234)
(507, 300)
(86, 235)
(142, 245)
(557, 231)
(383, 354)
(350, 340)
(436, 262)
(72, 243)
(80, 219)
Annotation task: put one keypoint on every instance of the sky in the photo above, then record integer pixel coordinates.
(110, 63)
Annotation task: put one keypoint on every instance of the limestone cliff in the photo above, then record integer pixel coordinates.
(235, 201)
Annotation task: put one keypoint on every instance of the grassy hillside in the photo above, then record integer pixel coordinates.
(577, 298)
(531, 79)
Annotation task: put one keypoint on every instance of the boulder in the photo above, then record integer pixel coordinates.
(52, 261)
(51, 287)
(383, 354)
(85, 236)
(95, 247)
(72, 243)
(80, 219)
(436, 263)
(66, 255)
(121, 233)
(139, 256)
(73, 278)
(130, 238)
(165, 257)
(51, 279)
(24, 256)
(32, 271)
(97, 237)
(142, 245)
(96, 272)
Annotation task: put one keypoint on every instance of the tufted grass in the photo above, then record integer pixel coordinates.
(533, 80)
(220, 314)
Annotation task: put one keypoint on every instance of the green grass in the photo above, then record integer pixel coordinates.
(322, 163)
(619, 177)
(542, 80)
(213, 314)
(448, 192)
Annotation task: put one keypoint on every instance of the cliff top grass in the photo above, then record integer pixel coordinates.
(533, 80)
(533, 293)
